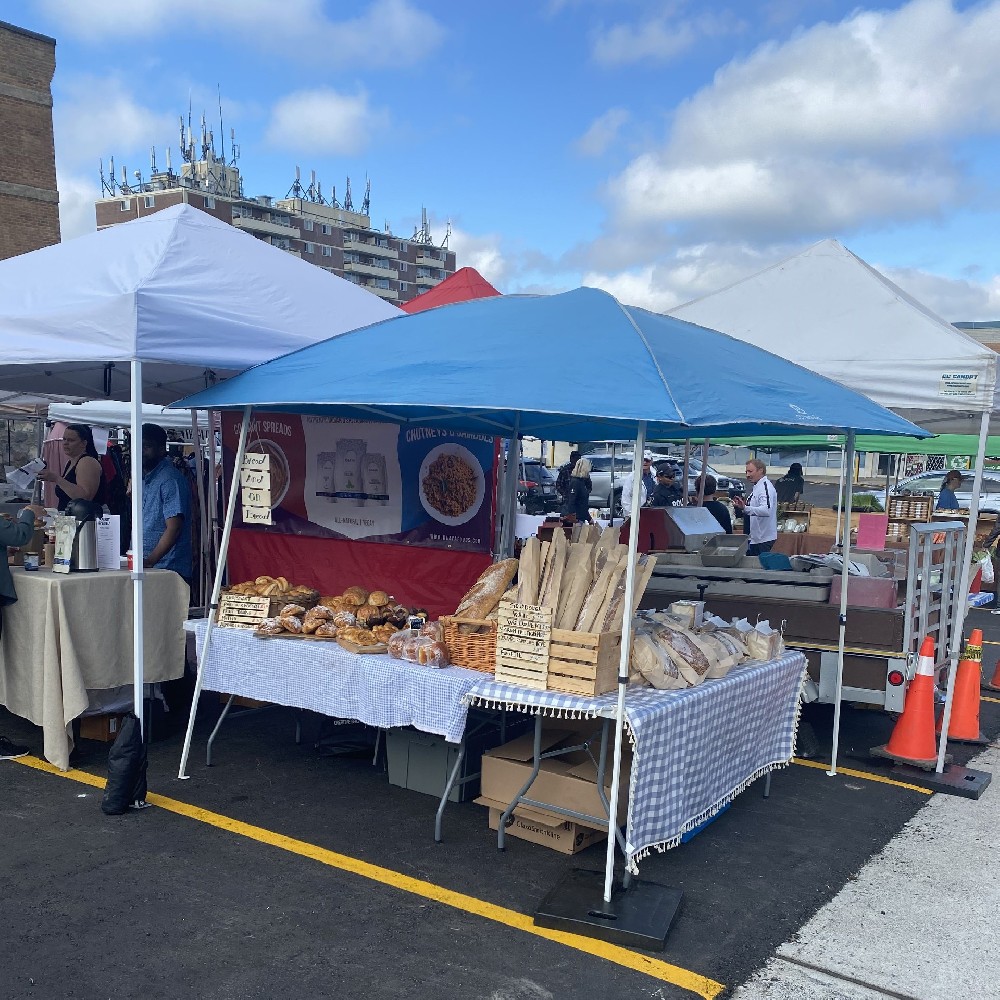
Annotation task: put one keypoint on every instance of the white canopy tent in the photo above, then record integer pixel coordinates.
(829, 311)
(156, 308)
(108, 413)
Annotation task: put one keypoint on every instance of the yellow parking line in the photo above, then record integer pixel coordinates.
(654, 967)
(866, 775)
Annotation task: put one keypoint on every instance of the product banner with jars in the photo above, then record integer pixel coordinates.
(346, 479)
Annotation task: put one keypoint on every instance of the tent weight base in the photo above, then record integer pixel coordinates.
(954, 780)
(637, 917)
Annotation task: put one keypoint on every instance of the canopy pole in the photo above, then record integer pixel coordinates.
(138, 666)
(844, 578)
(216, 588)
(510, 490)
(704, 473)
(199, 473)
(623, 662)
(213, 487)
(963, 593)
(840, 494)
(687, 468)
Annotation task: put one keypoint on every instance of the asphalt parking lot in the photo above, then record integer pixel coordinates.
(285, 869)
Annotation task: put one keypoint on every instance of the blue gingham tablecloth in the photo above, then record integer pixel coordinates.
(324, 677)
(694, 751)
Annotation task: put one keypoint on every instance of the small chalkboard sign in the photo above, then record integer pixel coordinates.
(524, 632)
(240, 611)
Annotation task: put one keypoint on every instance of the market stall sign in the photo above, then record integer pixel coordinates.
(255, 483)
(524, 633)
(240, 611)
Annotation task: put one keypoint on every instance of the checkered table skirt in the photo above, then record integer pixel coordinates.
(694, 751)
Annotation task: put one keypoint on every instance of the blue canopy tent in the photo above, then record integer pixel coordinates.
(539, 365)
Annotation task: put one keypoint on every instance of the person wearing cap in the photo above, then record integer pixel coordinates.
(946, 498)
(667, 492)
(647, 485)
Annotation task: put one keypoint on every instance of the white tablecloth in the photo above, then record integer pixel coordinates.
(324, 677)
(694, 750)
(68, 633)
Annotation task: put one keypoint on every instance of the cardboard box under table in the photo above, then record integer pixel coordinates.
(693, 750)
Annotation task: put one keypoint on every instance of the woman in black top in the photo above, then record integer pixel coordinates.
(577, 498)
(82, 477)
(791, 485)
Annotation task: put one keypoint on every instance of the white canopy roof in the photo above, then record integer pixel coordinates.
(829, 311)
(100, 413)
(189, 296)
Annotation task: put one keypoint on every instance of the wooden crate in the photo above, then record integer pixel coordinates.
(584, 663)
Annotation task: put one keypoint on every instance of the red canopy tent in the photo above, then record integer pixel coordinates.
(466, 283)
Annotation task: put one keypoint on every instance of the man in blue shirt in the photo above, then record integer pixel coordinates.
(166, 507)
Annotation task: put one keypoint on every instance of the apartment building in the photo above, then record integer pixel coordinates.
(321, 231)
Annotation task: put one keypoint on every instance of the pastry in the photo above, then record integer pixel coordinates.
(327, 629)
(270, 626)
(293, 609)
(378, 598)
(290, 623)
(357, 594)
(344, 619)
(368, 616)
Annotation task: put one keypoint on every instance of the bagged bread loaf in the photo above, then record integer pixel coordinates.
(652, 662)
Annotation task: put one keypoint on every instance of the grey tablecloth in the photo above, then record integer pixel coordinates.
(694, 750)
(70, 633)
(323, 677)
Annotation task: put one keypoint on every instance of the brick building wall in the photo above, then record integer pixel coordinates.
(29, 199)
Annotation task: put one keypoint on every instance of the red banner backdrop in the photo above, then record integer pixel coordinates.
(422, 577)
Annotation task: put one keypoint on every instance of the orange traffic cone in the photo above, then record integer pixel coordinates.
(912, 740)
(994, 684)
(963, 727)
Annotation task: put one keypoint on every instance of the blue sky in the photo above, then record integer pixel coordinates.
(657, 148)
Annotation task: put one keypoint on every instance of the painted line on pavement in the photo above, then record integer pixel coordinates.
(866, 775)
(653, 967)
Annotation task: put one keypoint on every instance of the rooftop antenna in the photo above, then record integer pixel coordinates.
(233, 148)
(348, 203)
(204, 137)
(108, 188)
(169, 168)
(447, 236)
(222, 131)
(296, 190)
(333, 198)
(152, 160)
(366, 203)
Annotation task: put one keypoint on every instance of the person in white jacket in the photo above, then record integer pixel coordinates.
(647, 485)
(761, 506)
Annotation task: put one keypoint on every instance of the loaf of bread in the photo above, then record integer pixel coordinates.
(485, 593)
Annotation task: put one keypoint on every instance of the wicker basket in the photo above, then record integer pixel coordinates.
(475, 650)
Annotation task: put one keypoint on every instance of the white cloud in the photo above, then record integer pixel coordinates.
(77, 195)
(325, 121)
(385, 33)
(844, 126)
(97, 116)
(659, 38)
(485, 254)
(953, 299)
(603, 132)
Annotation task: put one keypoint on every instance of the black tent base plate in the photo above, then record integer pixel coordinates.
(637, 917)
(954, 780)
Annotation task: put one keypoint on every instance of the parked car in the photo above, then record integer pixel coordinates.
(930, 482)
(537, 488)
(600, 477)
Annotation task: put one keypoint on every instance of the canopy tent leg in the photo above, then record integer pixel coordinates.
(844, 578)
(213, 486)
(216, 589)
(704, 472)
(687, 469)
(138, 665)
(639, 913)
(840, 493)
(510, 490)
